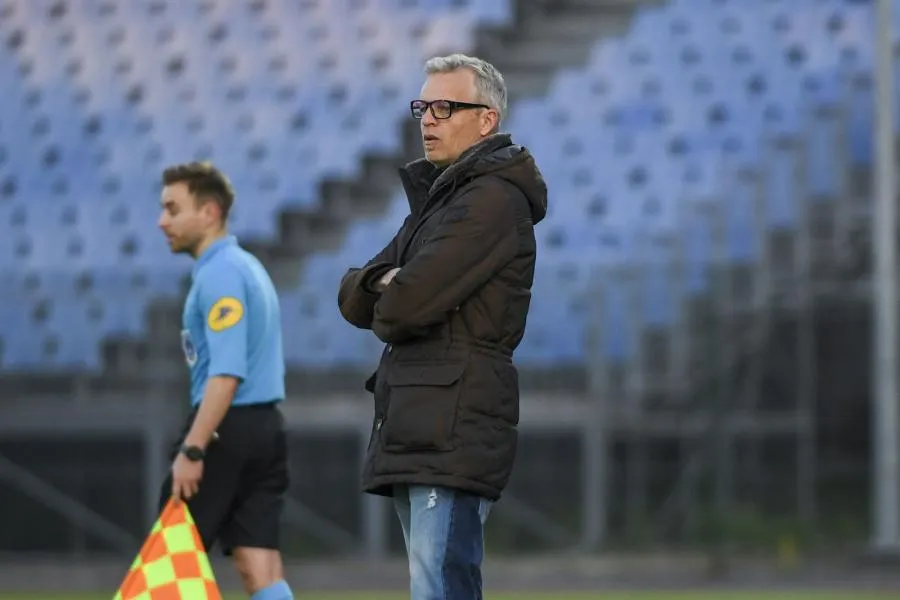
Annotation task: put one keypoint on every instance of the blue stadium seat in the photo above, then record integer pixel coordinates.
(657, 296)
(558, 335)
(697, 239)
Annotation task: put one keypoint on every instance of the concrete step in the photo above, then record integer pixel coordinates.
(543, 55)
(526, 82)
(545, 41)
(590, 25)
(587, 5)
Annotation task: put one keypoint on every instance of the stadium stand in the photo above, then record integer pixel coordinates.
(667, 121)
(646, 150)
(84, 138)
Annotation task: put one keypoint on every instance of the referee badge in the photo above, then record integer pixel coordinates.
(187, 345)
(225, 313)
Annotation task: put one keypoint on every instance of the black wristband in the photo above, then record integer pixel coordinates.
(193, 453)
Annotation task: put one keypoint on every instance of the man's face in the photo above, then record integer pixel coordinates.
(183, 220)
(445, 140)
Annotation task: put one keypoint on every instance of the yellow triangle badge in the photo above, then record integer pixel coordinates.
(172, 564)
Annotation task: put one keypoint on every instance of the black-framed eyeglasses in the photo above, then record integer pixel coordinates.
(440, 109)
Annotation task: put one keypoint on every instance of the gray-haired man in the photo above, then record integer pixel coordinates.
(449, 296)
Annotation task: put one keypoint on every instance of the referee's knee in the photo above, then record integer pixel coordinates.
(259, 568)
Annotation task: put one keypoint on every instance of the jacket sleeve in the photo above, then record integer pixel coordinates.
(476, 238)
(356, 296)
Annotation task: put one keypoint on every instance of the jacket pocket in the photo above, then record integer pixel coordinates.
(422, 405)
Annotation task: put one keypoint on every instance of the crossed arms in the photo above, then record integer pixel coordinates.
(475, 239)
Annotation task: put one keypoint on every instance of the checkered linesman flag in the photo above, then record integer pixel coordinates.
(172, 564)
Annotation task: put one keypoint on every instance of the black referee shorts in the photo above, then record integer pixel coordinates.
(245, 479)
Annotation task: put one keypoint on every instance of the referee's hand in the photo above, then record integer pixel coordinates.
(186, 476)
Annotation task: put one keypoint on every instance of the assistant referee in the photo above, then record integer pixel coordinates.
(231, 461)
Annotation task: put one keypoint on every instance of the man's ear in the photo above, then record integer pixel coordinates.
(211, 211)
(490, 122)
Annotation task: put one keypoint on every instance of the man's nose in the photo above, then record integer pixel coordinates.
(428, 118)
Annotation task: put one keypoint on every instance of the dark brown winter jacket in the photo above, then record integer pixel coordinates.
(446, 390)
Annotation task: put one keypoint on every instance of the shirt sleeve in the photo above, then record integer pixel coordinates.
(223, 302)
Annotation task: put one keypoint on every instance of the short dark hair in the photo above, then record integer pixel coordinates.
(205, 182)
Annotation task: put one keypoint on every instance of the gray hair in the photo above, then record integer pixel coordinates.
(489, 84)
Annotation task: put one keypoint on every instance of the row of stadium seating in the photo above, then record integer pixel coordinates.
(636, 146)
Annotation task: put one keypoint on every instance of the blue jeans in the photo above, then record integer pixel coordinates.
(444, 534)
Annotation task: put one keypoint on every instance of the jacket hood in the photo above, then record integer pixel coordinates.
(496, 156)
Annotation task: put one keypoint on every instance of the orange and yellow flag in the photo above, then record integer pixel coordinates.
(172, 564)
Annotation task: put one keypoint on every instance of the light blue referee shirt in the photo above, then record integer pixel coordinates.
(232, 325)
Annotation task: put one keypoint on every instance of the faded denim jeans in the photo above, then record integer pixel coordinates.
(444, 534)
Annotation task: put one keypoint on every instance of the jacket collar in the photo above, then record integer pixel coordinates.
(422, 179)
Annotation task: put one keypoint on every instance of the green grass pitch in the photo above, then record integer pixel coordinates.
(624, 595)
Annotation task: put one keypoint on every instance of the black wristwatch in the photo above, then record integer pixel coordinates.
(193, 453)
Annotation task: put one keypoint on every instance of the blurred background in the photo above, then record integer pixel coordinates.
(708, 372)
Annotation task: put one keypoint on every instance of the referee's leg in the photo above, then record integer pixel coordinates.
(252, 534)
